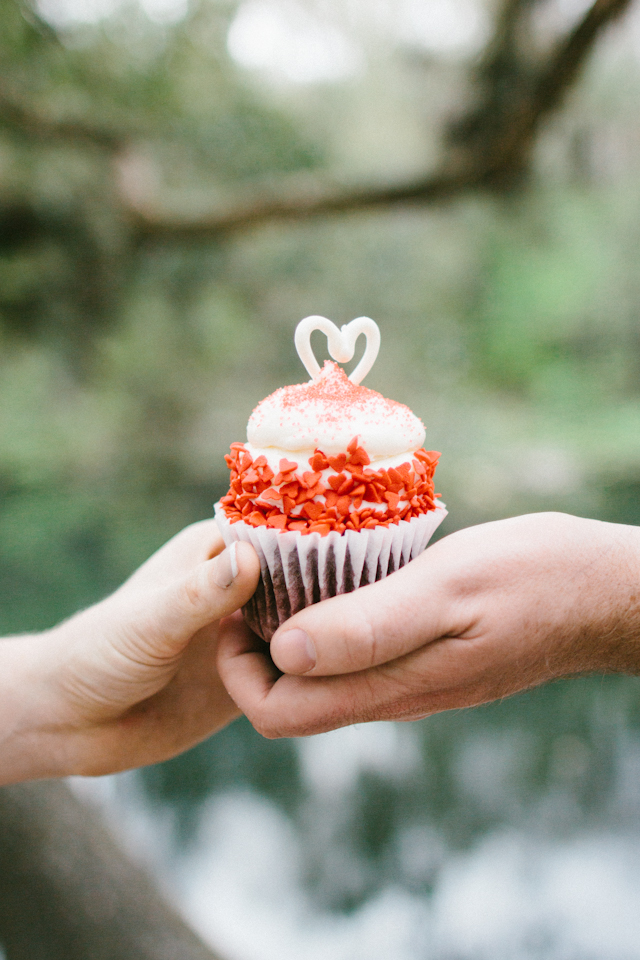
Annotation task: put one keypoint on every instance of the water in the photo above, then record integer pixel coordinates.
(507, 832)
(510, 895)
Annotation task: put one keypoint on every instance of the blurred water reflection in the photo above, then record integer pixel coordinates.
(509, 896)
(482, 834)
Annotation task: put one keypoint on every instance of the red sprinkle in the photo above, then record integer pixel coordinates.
(319, 462)
(337, 463)
(260, 499)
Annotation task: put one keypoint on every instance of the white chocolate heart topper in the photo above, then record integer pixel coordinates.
(341, 343)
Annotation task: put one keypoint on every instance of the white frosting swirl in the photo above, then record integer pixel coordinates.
(328, 413)
(274, 455)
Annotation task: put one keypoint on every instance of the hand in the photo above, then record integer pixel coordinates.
(481, 614)
(133, 679)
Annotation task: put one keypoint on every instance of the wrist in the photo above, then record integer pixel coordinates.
(32, 744)
(618, 650)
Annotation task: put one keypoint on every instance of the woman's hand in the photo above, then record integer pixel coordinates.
(481, 614)
(133, 679)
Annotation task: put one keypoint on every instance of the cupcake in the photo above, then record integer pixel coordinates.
(333, 487)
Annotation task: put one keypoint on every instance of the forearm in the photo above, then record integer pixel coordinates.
(612, 645)
(31, 744)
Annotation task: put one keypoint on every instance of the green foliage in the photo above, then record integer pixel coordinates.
(125, 102)
(552, 275)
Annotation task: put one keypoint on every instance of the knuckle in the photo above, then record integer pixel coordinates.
(359, 642)
(267, 729)
(273, 726)
(190, 535)
(355, 702)
(195, 589)
(390, 695)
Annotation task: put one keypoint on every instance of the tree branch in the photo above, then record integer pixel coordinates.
(499, 135)
(295, 204)
(67, 892)
(490, 147)
(572, 52)
(21, 116)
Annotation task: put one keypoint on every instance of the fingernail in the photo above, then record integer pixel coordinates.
(295, 652)
(225, 566)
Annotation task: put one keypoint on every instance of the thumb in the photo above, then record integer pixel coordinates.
(211, 590)
(371, 626)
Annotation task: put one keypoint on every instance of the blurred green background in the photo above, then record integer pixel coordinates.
(130, 361)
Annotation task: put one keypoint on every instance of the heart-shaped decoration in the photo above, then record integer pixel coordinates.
(342, 343)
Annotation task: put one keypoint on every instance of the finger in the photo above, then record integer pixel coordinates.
(244, 664)
(196, 543)
(202, 537)
(450, 674)
(287, 706)
(372, 625)
(211, 590)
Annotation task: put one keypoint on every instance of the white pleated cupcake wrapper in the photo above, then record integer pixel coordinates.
(301, 569)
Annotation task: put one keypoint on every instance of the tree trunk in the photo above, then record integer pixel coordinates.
(67, 892)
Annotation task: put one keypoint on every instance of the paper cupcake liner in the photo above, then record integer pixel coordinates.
(300, 569)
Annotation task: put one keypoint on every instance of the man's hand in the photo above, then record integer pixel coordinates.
(481, 614)
(133, 679)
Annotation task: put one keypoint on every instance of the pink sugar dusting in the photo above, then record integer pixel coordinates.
(333, 397)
